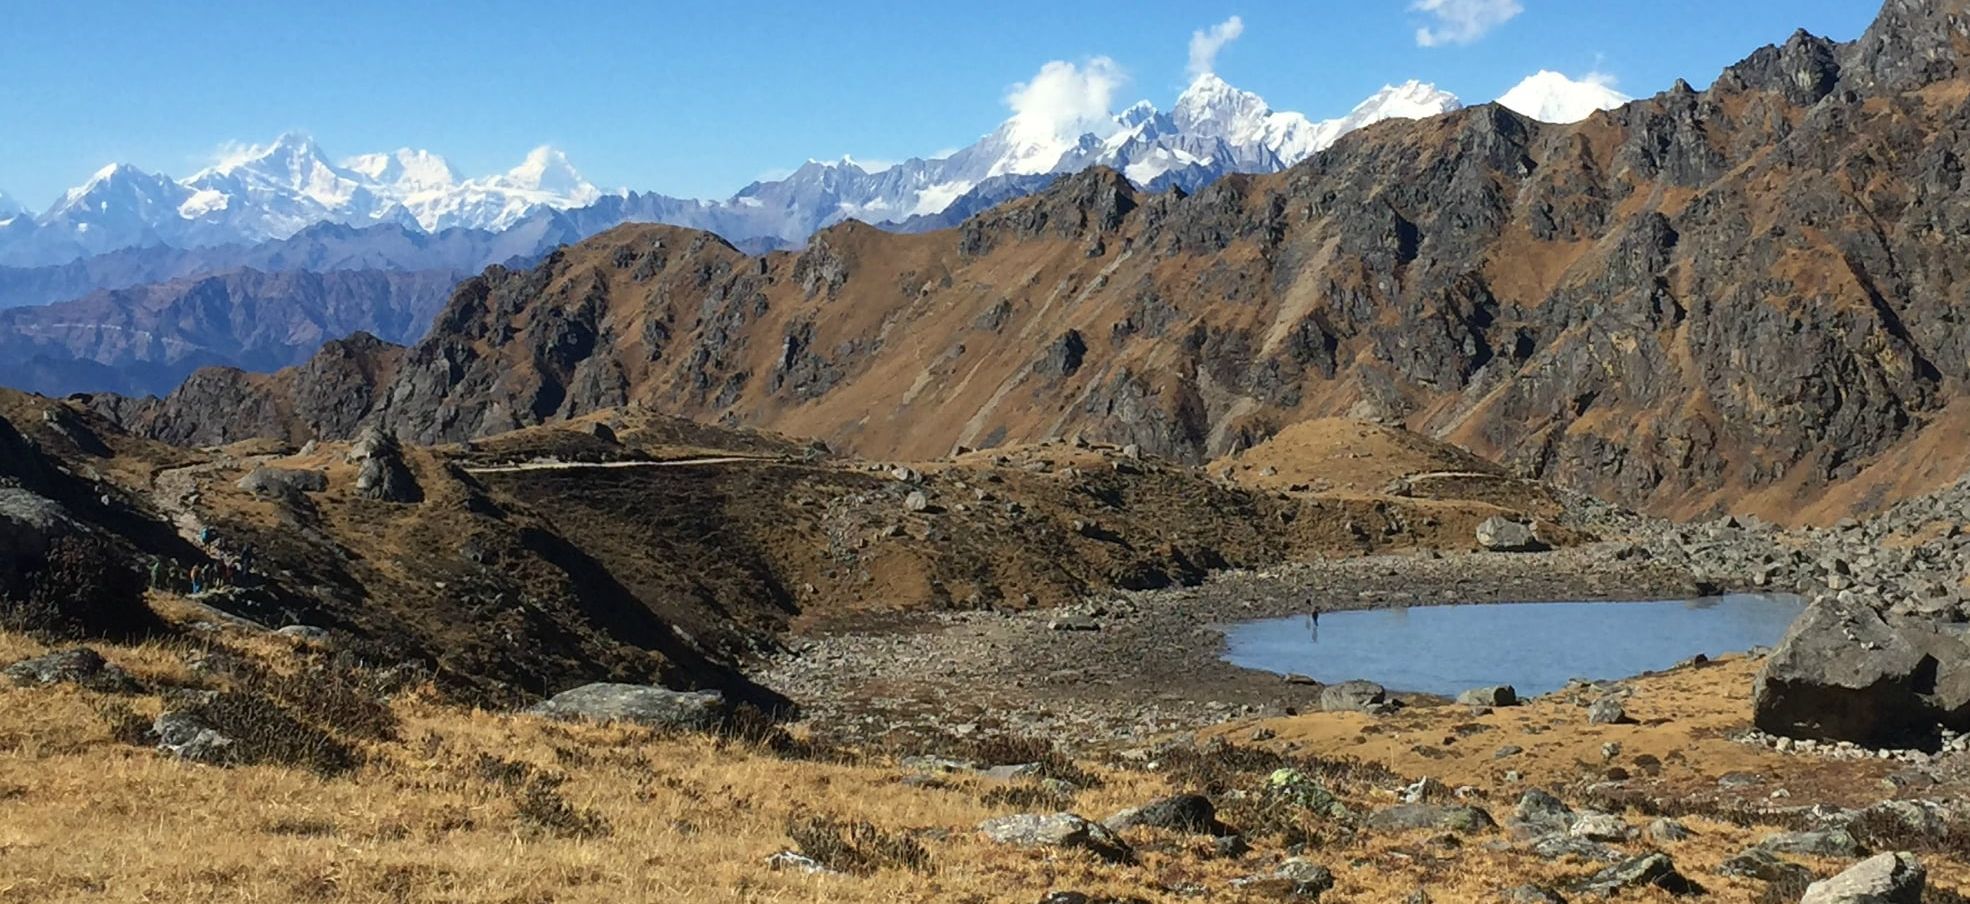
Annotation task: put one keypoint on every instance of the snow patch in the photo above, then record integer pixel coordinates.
(204, 202)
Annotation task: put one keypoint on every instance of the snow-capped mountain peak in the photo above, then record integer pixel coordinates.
(114, 186)
(1409, 100)
(1212, 107)
(406, 169)
(547, 171)
(1060, 122)
(1553, 97)
(1138, 113)
(10, 207)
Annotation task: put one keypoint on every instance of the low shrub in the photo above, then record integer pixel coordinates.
(541, 809)
(81, 589)
(266, 733)
(126, 725)
(854, 846)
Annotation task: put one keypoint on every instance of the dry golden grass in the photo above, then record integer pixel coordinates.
(476, 807)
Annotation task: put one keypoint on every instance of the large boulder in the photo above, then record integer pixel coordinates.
(1192, 813)
(1057, 830)
(1844, 672)
(283, 482)
(1501, 534)
(29, 523)
(1882, 879)
(1495, 695)
(78, 665)
(654, 706)
(1353, 696)
(1640, 872)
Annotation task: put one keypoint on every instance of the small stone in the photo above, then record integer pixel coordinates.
(1664, 830)
(1309, 879)
(1764, 866)
(185, 737)
(1640, 872)
(1600, 827)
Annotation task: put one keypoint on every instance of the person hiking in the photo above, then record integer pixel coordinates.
(156, 572)
(197, 585)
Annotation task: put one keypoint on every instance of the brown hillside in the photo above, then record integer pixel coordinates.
(1730, 299)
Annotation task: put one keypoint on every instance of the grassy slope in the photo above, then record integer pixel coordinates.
(441, 813)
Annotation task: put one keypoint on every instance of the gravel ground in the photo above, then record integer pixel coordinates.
(1141, 664)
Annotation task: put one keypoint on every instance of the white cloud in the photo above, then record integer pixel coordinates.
(1205, 44)
(1462, 21)
(1064, 100)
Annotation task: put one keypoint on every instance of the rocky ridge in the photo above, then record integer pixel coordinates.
(1702, 301)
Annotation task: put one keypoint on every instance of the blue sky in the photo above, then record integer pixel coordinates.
(697, 99)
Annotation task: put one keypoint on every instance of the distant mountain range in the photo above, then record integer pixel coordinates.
(275, 191)
(133, 280)
(148, 339)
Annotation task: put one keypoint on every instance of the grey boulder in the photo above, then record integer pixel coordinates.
(1844, 672)
(654, 706)
(79, 666)
(185, 737)
(1501, 534)
(1191, 813)
(1353, 696)
(1497, 695)
(1641, 872)
(283, 482)
(1882, 879)
(1057, 830)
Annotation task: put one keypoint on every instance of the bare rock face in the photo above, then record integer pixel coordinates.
(1846, 672)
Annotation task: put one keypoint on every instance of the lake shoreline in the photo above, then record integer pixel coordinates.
(1130, 666)
(1535, 648)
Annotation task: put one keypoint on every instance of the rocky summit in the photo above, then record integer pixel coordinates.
(1456, 507)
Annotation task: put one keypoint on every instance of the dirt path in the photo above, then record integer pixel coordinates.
(605, 465)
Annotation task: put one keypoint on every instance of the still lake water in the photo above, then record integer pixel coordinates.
(1534, 647)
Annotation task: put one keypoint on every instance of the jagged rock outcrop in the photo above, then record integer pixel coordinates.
(383, 474)
(329, 396)
(1727, 299)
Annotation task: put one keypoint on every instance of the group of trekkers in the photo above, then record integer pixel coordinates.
(226, 567)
